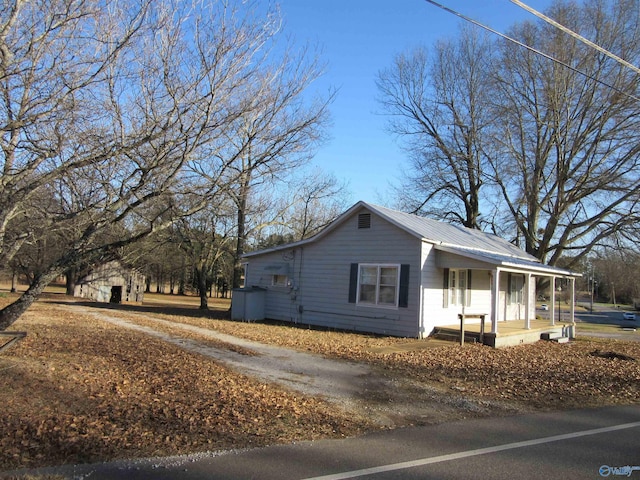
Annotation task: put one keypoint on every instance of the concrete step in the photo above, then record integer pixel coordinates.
(554, 337)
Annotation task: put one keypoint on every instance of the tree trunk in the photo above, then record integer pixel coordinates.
(70, 281)
(237, 266)
(11, 313)
(201, 279)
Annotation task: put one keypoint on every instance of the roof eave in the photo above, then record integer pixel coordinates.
(511, 263)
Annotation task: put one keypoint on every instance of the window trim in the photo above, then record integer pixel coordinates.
(453, 290)
(379, 267)
(516, 295)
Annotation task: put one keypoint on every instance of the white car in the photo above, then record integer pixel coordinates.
(629, 316)
(544, 306)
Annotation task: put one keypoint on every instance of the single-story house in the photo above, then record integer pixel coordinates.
(382, 271)
(111, 282)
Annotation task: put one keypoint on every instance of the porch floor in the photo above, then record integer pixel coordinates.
(511, 332)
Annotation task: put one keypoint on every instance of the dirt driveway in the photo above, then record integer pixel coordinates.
(390, 401)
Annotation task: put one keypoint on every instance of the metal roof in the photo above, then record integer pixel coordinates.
(452, 238)
(440, 233)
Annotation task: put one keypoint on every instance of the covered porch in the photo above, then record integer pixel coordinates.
(511, 332)
(509, 316)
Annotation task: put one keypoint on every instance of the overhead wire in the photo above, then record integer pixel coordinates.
(575, 35)
(532, 49)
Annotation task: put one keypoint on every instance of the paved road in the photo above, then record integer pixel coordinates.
(579, 444)
(604, 316)
(610, 316)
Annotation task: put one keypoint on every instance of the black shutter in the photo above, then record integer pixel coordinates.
(353, 283)
(403, 300)
(445, 288)
(468, 295)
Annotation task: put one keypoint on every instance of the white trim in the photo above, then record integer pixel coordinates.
(456, 291)
(377, 303)
(495, 309)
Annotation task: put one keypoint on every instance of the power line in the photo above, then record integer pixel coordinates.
(534, 50)
(575, 35)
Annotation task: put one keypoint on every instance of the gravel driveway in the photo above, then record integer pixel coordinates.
(391, 401)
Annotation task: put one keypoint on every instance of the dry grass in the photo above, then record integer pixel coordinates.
(80, 390)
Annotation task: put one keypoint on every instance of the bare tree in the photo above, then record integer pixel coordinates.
(569, 173)
(318, 199)
(546, 150)
(116, 109)
(437, 105)
(205, 238)
(274, 137)
(311, 201)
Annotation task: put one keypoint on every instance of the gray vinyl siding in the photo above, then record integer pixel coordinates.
(320, 273)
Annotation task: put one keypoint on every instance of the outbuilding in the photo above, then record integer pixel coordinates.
(382, 271)
(111, 282)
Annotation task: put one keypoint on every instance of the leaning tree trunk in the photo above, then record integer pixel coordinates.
(11, 313)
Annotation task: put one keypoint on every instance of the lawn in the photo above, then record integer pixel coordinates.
(80, 390)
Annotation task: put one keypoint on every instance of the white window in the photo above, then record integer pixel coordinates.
(516, 288)
(278, 280)
(459, 287)
(378, 284)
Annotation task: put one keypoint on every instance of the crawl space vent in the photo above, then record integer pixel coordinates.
(364, 220)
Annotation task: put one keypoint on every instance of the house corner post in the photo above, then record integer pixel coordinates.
(572, 309)
(495, 300)
(552, 301)
(527, 301)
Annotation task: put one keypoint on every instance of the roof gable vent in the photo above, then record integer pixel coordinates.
(364, 220)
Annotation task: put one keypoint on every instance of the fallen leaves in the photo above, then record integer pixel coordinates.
(80, 390)
(543, 375)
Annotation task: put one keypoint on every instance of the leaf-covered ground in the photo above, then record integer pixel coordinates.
(543, 375)
(80, 390)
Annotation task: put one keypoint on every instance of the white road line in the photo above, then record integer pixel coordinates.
(471, 453)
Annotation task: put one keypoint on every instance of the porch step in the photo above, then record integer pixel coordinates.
(554, 337)
(452, 335)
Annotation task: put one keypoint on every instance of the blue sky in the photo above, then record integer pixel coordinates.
(359, 38)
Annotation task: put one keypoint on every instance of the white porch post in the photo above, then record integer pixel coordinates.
(495, 290)
(552, 300)
(572, 308)
(527, 301)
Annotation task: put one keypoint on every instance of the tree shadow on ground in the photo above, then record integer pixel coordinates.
(163, 309)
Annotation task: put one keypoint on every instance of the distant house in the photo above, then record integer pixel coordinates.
(382, 271)
(112, 282)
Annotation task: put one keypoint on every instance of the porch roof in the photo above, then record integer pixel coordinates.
(507, 261)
